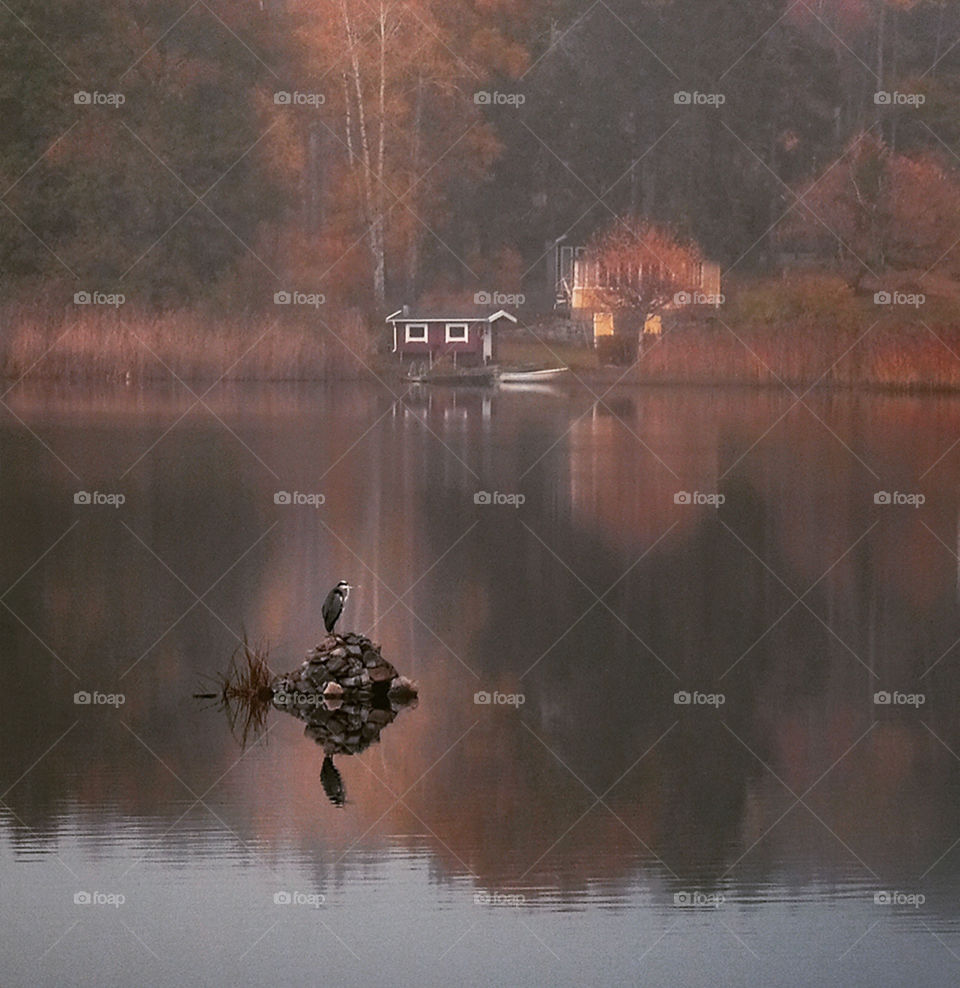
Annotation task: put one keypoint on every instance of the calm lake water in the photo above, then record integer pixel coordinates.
(784, 826)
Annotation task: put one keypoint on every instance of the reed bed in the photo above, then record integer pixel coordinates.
(100, 344)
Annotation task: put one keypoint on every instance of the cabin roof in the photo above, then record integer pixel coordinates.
(465, 313)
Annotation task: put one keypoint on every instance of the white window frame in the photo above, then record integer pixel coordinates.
(465, 338)
(424, 336)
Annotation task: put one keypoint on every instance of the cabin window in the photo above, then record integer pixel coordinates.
(416, 332)
(457, 332)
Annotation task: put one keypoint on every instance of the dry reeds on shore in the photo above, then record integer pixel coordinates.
(100, 343)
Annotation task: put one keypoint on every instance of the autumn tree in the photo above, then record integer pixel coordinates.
(873, 211)
(642, 266)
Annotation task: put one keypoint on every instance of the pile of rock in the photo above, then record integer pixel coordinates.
(341, 667)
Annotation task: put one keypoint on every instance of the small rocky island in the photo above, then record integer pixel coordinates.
(348, 667)
(346, 692)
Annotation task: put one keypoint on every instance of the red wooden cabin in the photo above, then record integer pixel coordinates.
(470, 337)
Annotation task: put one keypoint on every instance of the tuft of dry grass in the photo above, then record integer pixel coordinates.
(245, 693)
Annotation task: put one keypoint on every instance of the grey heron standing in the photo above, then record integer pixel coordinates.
(333, 605)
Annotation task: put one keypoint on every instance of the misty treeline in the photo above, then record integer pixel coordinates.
(377, 151)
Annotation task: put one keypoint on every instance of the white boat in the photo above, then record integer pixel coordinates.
(524, 375)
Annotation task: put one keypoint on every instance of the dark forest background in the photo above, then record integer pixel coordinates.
(431, 146)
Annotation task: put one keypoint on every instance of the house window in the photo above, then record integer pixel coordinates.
(416, 332)
(457, 332)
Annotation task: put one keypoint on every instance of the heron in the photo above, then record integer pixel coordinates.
(333, 605)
